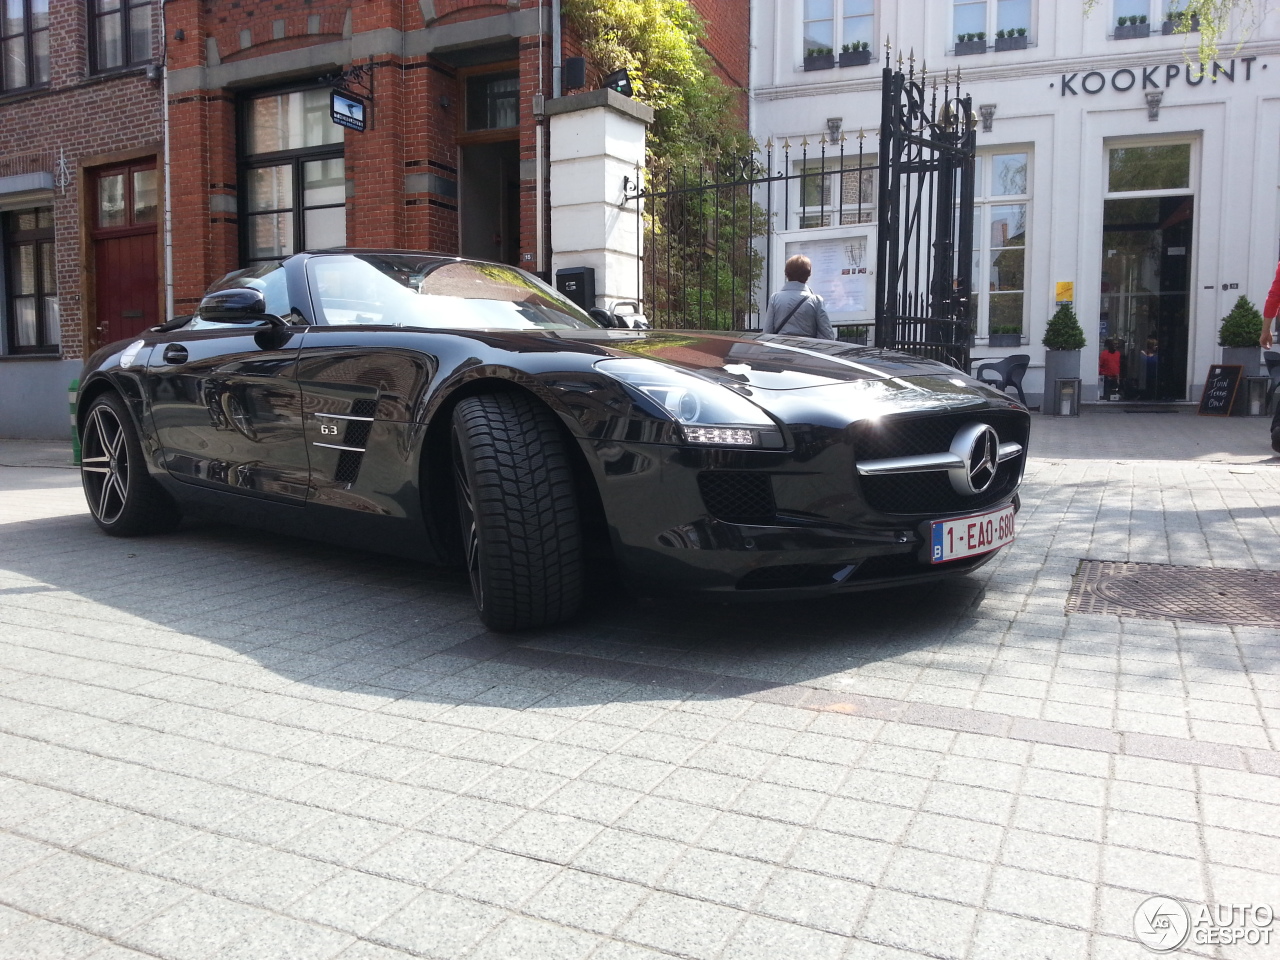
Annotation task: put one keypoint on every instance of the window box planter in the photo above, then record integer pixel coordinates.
(823, 61)
(858, 58)
(1171, 25)
(966, 48)
(1133, 31)
(1011, 43)
(1004, 340)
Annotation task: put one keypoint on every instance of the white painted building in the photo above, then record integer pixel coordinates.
(1108, 159)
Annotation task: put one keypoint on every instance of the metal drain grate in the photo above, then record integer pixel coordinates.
(1159, 591)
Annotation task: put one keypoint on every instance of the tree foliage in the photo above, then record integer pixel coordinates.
(1212, 19)
(702, 264)
(658, 43)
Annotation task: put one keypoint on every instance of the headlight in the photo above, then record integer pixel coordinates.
(707, 412)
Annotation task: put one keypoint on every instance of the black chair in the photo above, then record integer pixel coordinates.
(1006, 373)
(1272, 360)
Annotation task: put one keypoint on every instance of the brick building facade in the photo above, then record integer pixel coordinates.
(452, 159)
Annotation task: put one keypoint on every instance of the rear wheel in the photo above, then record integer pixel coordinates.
(518, 511)
(123, 497)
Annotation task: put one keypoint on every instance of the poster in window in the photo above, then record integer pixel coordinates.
(841, 268)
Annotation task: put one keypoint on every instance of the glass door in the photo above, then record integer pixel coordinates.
(1145, 311)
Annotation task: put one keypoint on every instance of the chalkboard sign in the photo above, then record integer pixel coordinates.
(1220, 389)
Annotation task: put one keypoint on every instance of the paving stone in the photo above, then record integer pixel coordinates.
(689, 928)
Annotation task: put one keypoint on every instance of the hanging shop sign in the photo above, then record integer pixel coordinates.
(1157, 77)
(347, 110)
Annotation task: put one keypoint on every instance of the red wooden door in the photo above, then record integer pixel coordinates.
(126, 283)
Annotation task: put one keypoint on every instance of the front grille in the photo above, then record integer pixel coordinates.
(908, 564)
(792, 575)
(738, 497)
(932, 493)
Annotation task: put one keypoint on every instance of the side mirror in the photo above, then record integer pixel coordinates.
(602, 317)
(236, 305)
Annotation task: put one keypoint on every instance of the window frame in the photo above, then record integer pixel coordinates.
(983, 201)
(465, 136)
(295, 158)
(1127, 143)
(992, 19)
(127, 11)
(837, 28)
(27, 33)
(48, 333)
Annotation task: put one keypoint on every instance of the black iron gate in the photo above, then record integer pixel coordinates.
(924, 302)
(707, 230)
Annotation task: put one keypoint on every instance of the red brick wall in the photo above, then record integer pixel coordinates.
(728, 42)
(78, 119)
(411, 131)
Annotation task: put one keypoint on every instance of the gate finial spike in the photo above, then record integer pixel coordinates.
(911, 60)
(900, 60)
(888, 51)
(768, 144)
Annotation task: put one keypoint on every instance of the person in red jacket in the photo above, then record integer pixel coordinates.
(1269, 310)
(1109, 369)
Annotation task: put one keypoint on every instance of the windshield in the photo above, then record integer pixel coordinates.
(412, 291)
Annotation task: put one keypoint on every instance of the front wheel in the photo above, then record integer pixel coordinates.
(123, 497)
(518, 510)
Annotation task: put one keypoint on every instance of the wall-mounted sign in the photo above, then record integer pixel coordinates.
(841, 267)
(1064, 291)
(1153, 78)
(346, 110)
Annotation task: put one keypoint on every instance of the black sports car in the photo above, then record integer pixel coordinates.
(459, 411)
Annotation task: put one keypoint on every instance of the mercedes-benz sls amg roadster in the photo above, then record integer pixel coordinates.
(457, 411)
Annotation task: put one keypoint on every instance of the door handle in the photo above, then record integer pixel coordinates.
(175, 353)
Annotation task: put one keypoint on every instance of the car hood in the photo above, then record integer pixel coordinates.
(779, 371)
(761, 361)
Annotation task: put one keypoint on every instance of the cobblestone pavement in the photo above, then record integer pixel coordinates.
(212, 745)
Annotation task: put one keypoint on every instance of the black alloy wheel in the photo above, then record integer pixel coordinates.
(518, 511)
(123, 497)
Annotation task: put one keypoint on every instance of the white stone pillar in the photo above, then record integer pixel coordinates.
(597, 141)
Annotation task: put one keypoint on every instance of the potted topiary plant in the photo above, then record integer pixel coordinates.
(1238, 337)
(970, 43)
(819, 58)
(855, 54)
(1064, 340)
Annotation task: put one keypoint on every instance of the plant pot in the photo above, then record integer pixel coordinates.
(1011, 43)
(1004, 340)
(1248, 357)
(1133, 31)
(824, 61)
(1059, 365)
(1169, 26)
(857, 58)
(966, 48)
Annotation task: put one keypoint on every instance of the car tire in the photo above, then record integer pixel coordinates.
(518, 511)
(124, 498)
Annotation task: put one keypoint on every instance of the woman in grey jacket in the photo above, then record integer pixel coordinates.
(795, 310)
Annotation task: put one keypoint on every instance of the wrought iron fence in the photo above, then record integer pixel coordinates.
(706, 229)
